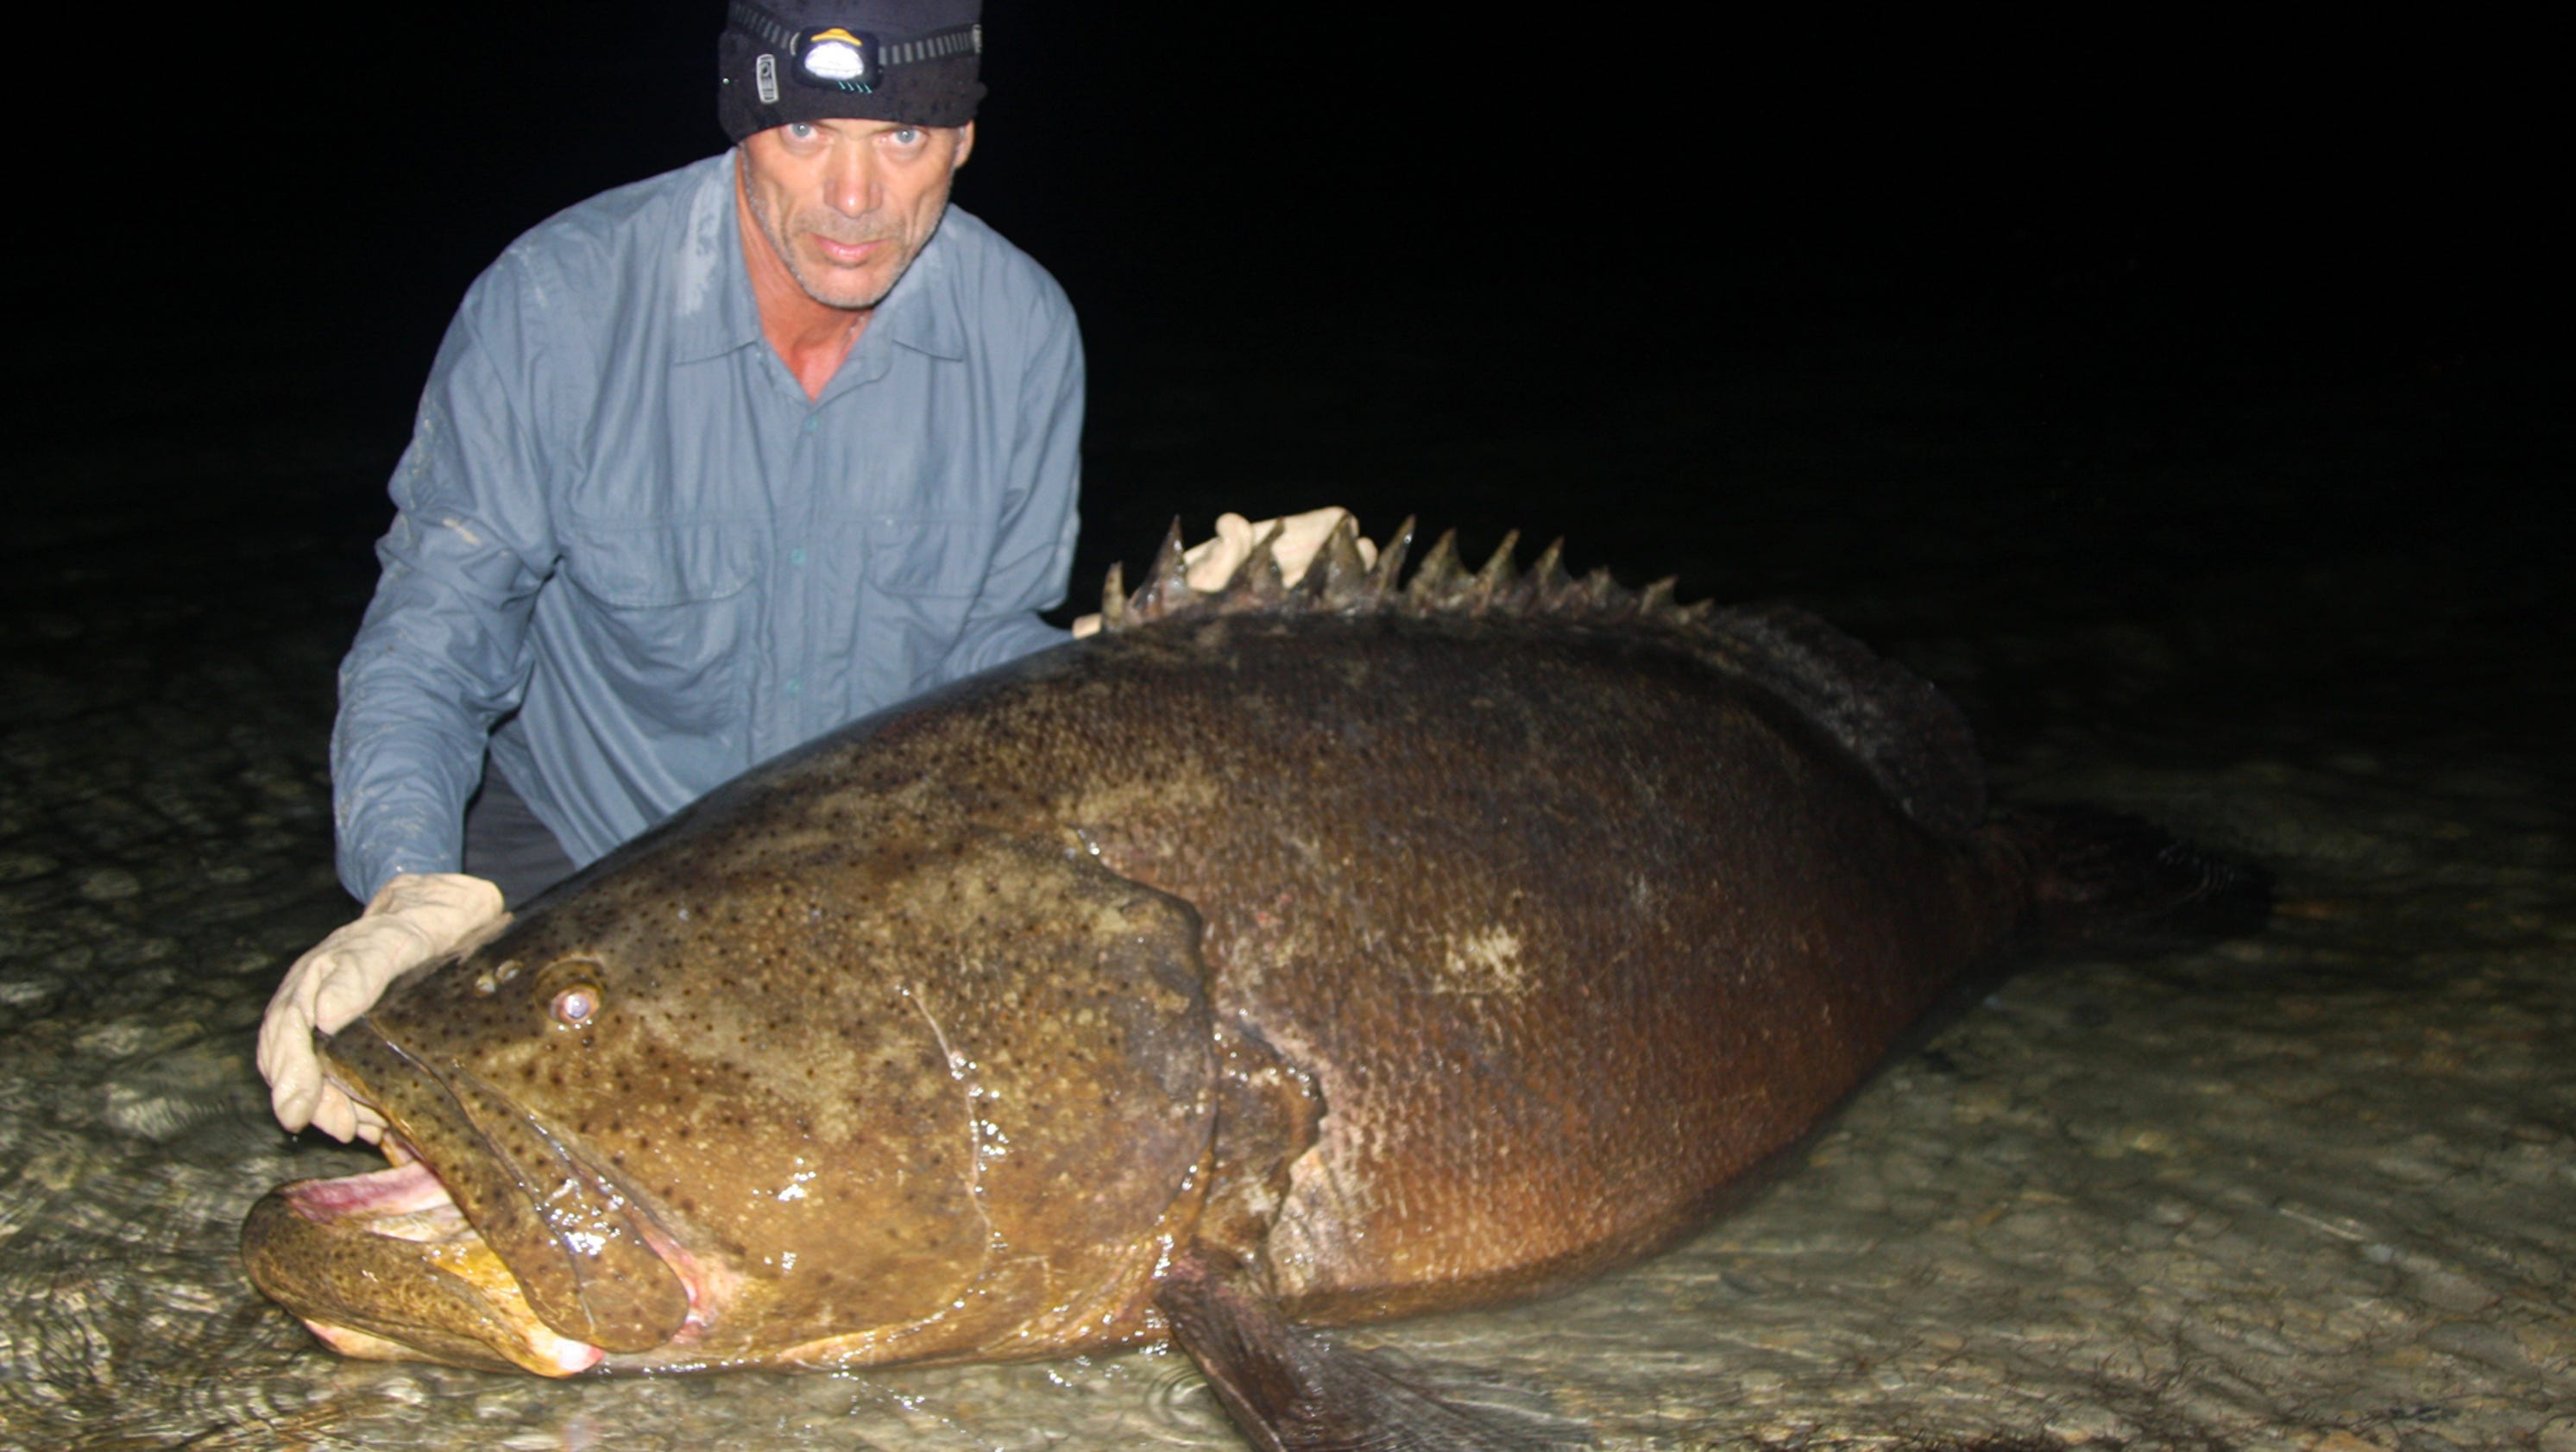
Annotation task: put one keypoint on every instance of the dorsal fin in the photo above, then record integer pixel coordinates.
(1909, 736)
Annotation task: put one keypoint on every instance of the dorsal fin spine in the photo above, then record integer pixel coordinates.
(1435, 580)
(1545, 584)
(1339, 579)
(1390, 561)
(1113, 597)
(1493, 583)
(1167, 585)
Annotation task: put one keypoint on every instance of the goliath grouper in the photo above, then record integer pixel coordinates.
(1280, 957)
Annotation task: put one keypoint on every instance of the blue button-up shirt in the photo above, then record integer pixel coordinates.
(625, 535)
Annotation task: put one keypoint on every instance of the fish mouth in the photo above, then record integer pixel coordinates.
(493, 1240)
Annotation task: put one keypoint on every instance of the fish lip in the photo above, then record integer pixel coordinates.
(402, 1143)
(403, 1206)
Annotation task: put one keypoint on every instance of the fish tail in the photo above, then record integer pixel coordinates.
(2100, 877)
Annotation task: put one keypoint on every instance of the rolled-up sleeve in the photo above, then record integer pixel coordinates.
(443, 652)
(1033, 551)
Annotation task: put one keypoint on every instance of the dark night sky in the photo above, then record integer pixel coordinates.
(1587, 212)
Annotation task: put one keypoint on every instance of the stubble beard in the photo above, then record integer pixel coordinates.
(836, 228)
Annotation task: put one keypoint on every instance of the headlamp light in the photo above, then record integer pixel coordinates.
(845, 60)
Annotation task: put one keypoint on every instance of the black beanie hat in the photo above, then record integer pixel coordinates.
(882, 60)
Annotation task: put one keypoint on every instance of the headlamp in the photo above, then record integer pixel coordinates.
(845, 60)
(838, 58)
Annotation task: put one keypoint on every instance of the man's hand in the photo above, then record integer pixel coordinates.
(1211, 562)
(417, 917)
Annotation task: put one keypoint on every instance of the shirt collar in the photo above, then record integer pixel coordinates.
(717, 314)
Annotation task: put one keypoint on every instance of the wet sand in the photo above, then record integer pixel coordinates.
(2309, 1190)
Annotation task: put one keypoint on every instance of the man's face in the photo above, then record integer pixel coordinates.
(847, 204)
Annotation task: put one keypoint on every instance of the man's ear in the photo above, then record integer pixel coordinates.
(965, 145)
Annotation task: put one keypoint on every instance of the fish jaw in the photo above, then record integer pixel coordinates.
(493, 1240)
(383, 1266)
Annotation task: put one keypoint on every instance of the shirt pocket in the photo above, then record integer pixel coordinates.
(656, 566)
(664, 614)
(923, 578)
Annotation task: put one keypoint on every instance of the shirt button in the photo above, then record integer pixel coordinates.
(810, 425)
(796, 557)
(795, 685)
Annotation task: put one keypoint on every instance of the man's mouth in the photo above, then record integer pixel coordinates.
(849, 252)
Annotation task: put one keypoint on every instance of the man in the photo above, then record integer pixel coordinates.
(706, 466)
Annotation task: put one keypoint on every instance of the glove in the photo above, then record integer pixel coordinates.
(416, 917)
(1211, 562)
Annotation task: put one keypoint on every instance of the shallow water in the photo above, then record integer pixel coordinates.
(2309, 1190)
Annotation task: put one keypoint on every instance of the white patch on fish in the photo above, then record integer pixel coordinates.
(1481, 963)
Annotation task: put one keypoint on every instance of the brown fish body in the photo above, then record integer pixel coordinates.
(1568, 927)
(1340, 962)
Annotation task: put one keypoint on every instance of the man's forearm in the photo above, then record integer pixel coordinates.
(400, 778)
(434, 665)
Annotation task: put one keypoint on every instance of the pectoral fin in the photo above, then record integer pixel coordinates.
(1294, 1390)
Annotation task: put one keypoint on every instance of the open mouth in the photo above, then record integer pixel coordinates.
(490, 1241)
(440, 1291)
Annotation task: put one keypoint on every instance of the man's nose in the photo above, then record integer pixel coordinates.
(850, 183)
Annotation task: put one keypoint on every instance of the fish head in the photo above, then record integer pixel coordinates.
(925, 1105)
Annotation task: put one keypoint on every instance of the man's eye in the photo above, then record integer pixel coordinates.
(906, 136)
(800, 131)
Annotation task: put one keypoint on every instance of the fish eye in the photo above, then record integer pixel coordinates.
(576, 1004)
(573, 988)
